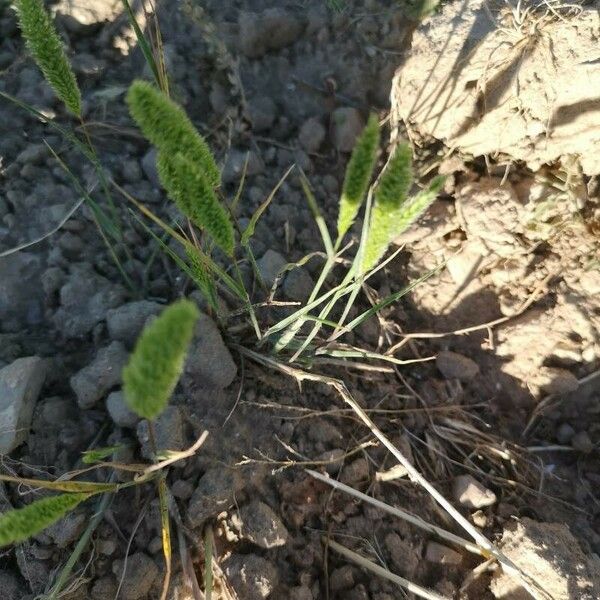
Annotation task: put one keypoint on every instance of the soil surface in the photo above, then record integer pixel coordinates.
(503, 420)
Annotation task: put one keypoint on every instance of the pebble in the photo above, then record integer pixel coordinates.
(213, 494)
(182, 489)
(126, 322)
(20, 385)
(356, 472)
(564, 433)
(10, 586)
(103, 373)
(103, 588)
(234, 165)
(341, 578)
(346, 124)
(119, 411)
(271, 29)
(68, 529)
(298, 285)
(582, 442)
(252, 577)
(312, 135)
(470, 493)
(456, 366)
(141, 573)
(261, 525)
(438, 553)
(300, 592)
(261, 112)
(270, 266)
(169, 431)
(209, 363)
(149, 167)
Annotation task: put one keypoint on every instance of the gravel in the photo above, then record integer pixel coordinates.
(261, 525)
(468, 492)
(252, 577)
(456, 366)
(126, 322)
(141, 573)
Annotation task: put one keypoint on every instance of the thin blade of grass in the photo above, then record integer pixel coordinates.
(358, 353)
(318, 217)
(208, 563)
(163, 499)
(75, 487)
(142, 42)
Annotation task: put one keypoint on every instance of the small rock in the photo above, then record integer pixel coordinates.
(456, 366)
(169, 431)
(149, 167)
(301, 593)
(234, 165)
(356, 472)
(21, 292)
(106, 547)
(141, 572)
(341, 578)
(131, 171)
(20, 386)
(68, 529)
(438, 553)
(564, 433)
(103, 588)
(85, 299)
(90, 13)
(470, 493)
(209, 363)
(87, 65)
(34, 154)
(126, 322)
(556, 381)
(272, 29)
(10, 586)
(261, 526)
(312, 134)
(119, 411)
(270, 266)
(346, 125)
(214, 493)
(298, 285)
(94, 381)
(582, 442)
(261, 113)
(252, 577)
(402, 554)
(182, 489)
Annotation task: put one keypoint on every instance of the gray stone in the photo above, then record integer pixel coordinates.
(342, 578)
(582, 442)
(141, 573)
(68, 529)
(93, 382)
(21, 291)
(182, 489)
(131, 171)
(356, 472)
(209, 362)
(20, 385)
(33, 154)
(104, 587)
(261, 112)
(346, 125)
(126, 322)
(85, 299)
(214, 493)
(456, 366)
(438, 553)
(312, 134)
(149, 167)
(565, 433)
(169, 431)
(252, 577)
(272, 29)
(470, 493)
(10, 586)
(270, 265)
(119, 411)
(261, 526)
(298, 285)
(234, 165)
(301, 592)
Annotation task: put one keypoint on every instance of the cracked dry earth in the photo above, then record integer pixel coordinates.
(504, 422)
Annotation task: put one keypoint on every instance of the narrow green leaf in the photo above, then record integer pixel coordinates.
(46, 47)
(19, 525)
(166, 125)
(58, 485)
(155, 366)
(188, 187)
(358, 175)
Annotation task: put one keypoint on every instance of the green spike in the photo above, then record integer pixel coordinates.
(46, 47)
(166, 125)
(358, 175)
(157, 361)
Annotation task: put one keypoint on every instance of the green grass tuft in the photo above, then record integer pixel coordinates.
(188, 188)
(46, 47)
(358, 175)
(166, 125)
(18, 525)
(155, 366)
